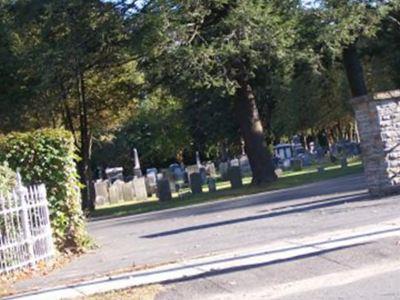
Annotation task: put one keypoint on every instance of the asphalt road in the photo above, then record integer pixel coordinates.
(207, 229)
(363, 271)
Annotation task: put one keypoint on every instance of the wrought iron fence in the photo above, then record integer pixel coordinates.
(25, 232)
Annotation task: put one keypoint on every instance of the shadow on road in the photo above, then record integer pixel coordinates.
(259, 265)
(346, 184)
(237, 259)
(276, 212)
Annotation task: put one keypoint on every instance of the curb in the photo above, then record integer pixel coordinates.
(282, 251)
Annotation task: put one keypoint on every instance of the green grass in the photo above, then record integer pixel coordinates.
(287, 180)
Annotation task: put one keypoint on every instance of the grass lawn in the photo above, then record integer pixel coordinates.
(286, 180)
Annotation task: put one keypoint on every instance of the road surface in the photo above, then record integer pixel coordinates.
(225, 226)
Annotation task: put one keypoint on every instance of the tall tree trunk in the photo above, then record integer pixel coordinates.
(86, 142)
(253, 134)
(354, 71)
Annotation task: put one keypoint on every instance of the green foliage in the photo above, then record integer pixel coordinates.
(7, 178)
(157, 130)
(206, 44)
(48, 156)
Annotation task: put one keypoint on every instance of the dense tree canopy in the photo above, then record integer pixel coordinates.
(175, 77)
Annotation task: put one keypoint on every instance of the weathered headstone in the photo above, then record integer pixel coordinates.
(278, 172)
(171, 179)
(101, 190)
(151, 183)
(128, 192)
(139, 184)
(114, 174)
(116, 192)
(223, 170)
(203, 174)
(198, 160)
(212, 185)
(287, 164)
(196, 183)
(137, 171)
(163, 190)
(296, 165)
(192, 169)
(306, 158)
(244, 165)
(210, 169)
(235, 177)
(234, 162)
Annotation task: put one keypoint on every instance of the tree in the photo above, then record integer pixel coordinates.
(219, 46)
(345, 23)
(77, 53)
(157, 129)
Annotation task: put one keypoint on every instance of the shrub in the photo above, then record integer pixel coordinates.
(7, 178)
(48, 156)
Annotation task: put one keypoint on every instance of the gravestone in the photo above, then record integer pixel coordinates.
(179, 174)
(235, 177)
(151, 184)
(191, 169)
(137, 171)
(101, 190)
(196, 183)
(212, 185)
(128, 192)
(296, 165)
(278, 172)
(210, 169)
(171, 179)
(139, 184)
(245, 165)
(116, 192)
(163, 190)
(223, 170)
(151, 181)
(287, 164)
(234, 163)
(114, 174)
(203, 174)
(306, 158)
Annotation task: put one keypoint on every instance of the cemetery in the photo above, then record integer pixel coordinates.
(199, 149)
(204, 181)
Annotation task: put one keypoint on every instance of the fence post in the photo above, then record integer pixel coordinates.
(21, 193)
(49, 239)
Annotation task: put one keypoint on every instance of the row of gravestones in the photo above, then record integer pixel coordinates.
(118, 191)
(234, 175)
(242, 163)
(167, 183)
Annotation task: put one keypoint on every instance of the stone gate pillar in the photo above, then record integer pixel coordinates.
(378, 120)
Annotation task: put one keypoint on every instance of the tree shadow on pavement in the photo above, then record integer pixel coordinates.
(320, 189)
(277, 212)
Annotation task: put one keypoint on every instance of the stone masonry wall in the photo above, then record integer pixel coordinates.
(378, 120)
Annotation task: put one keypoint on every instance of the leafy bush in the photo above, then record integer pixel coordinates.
(7, 178)
(48, 156)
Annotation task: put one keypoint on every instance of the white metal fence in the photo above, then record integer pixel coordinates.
(25, 232)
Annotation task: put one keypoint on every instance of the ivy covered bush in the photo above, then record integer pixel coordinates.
(48, 156)
(8, 178)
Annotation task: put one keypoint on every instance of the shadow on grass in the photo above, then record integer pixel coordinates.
(281, 183)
